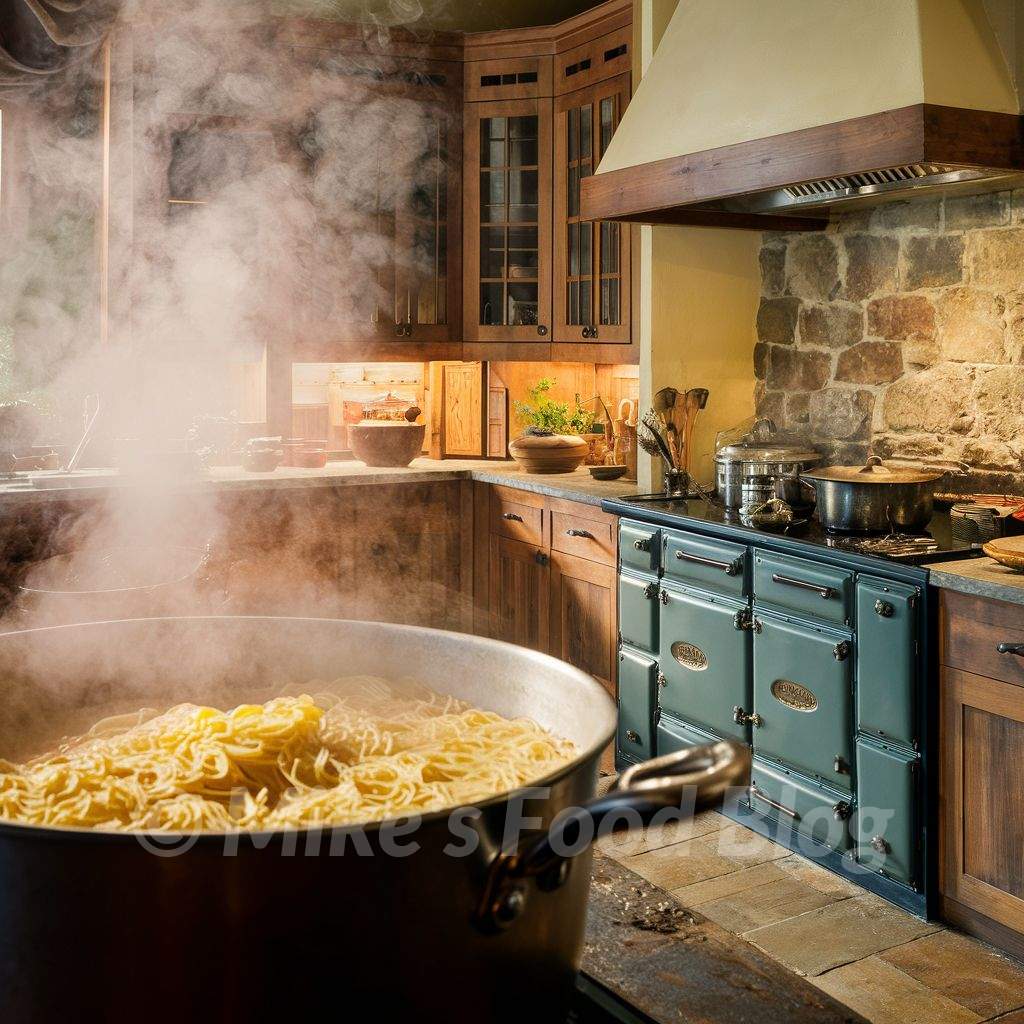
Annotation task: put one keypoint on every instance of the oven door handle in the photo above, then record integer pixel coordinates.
(733, 568)
(825, 593)
(764, 798)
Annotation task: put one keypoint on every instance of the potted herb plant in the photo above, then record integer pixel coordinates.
(551, 441)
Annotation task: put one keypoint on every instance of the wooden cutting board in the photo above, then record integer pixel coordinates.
(1008, 551)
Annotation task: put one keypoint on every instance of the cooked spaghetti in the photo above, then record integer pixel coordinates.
(358, 752)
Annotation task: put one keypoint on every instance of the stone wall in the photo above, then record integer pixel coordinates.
(900, 330)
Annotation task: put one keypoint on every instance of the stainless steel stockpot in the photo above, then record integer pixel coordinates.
(104, 926)
(758, 455)
(874, 498)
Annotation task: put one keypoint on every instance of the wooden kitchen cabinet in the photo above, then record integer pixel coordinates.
(518, 605)
(545, 576)
(507, 276)
(541, 108)
(591, 258)
(982, 769)
(583, 615)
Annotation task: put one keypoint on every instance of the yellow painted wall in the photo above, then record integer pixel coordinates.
(732, 70)
(698, 305)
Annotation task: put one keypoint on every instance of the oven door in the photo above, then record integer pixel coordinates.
(803, 698)
(705, 660)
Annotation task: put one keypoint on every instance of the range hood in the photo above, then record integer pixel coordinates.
(774, 113)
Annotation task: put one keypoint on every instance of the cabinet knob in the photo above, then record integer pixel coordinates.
(884, 608)
(642, 545)
(879, 845)
(541, 559)
(841, 811)
(632, 735)
(542, 330)
(589, 332)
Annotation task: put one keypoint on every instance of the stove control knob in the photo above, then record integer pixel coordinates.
(885, 609)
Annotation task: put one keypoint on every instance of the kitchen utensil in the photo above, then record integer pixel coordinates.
(662, 405)
(759, 451)
(684, 416)
(757, 489)
(874, 498)
(650, 421)
(1008, 551)
(278, 924)
(386, 442)
(607, 472)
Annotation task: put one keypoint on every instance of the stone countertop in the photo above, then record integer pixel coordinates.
(983, 577)
(576, 486)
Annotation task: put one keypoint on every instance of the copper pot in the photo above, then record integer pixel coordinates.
(284, 925)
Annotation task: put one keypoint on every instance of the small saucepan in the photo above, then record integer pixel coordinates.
(877, 497)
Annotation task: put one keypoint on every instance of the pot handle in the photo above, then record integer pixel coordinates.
(642, 790)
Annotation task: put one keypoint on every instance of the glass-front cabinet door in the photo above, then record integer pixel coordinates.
(592, 280)
(507, 292)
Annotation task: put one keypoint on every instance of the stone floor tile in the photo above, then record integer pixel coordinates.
(627, 844)
(885, 995)
(838, 934)
(729, 884)
(962, 969)
(681, 863)
(821, 878)
(766, 904)
(745, 847)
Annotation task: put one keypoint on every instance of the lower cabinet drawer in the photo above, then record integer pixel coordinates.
(885, 823)
(673, 736)
(638, 611)
(803, 806)
(638, 683)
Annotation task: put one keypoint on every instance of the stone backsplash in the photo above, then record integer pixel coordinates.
(900, 331)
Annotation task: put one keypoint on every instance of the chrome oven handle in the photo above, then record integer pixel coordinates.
(755, 792)
(826, 593)
(732, 568)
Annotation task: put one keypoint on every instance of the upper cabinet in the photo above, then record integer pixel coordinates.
(591, 259)
(541, 108)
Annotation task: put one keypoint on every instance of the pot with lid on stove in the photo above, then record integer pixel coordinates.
(761, 451)
(878, 497)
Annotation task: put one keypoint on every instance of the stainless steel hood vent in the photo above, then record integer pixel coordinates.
(886, 183)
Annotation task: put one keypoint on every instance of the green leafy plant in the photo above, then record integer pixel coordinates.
(542, 414)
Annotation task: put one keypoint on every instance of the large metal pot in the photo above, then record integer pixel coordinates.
(759, 453)
(874, 498)
(104, 926)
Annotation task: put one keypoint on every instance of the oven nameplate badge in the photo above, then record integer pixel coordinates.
(793, 695)
(689, 656)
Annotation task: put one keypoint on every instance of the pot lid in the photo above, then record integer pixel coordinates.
(874, 471)
(764, 444)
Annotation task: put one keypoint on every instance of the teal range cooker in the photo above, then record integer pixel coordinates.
(817, 650)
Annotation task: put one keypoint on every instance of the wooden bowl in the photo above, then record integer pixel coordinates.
(386, 442)
(556, 453)
(1008, 551)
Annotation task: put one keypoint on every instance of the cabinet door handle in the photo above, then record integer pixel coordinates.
(732, 568)
(825, 593)
(579, 533)
(1017, 649)
(512, 517)
(755, 793)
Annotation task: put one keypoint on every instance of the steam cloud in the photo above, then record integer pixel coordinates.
(293, 160)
